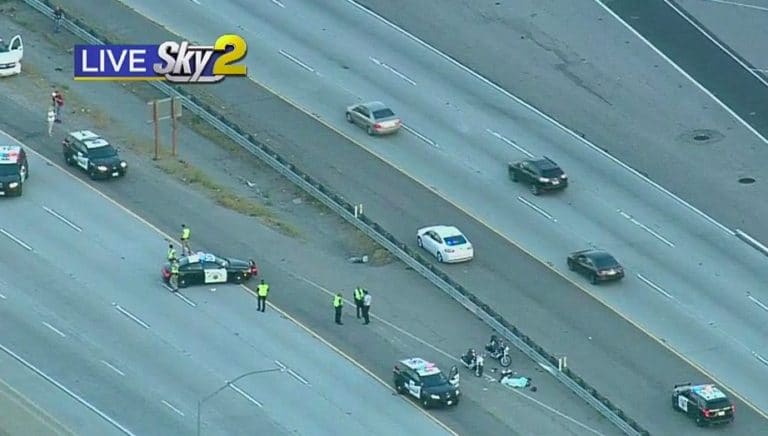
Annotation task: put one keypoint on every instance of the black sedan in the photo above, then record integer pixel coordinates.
(206, 268)
(597, 265)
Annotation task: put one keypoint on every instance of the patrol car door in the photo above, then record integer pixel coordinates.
(414, 386)
(214, 273)
(192, 273)
(682, 402)
(16, 48)
(81, 155)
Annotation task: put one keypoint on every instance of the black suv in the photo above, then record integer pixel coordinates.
(541, 174)
(424, 381)
(14, 170)
(93, 154)
(706, 404)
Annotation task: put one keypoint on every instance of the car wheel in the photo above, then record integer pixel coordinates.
(182, 282)
(21, 188)
(456, 402)
(92, 174)
(571, 266)
(418, 242)
(700, 422)
(514, 176)
(349, 117)
(238, 278)
(399, 388)
(68, 160)
(425, 402)
(593, 279)
(439, 256)
(535, 189)
(370, 130)
(674, 404)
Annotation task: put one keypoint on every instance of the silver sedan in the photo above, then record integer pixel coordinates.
(374, 117)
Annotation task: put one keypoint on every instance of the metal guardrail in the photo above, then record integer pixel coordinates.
(414, 260)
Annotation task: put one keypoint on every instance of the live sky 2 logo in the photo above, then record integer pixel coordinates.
(178, 62)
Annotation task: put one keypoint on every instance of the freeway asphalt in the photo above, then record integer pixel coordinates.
(595, 354)
(302, 272)
(672, 295)
(109, 331)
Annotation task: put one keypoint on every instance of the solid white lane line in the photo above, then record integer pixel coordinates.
(280, 365)
(683, 72)
(706, 33)
(183, 297)
(170, 406)
(741, 5)
(57, 331)
(655, 287)
(245, 395)
(133, 317)
(3, 297)
(416, 133)
(758, 302)
(64, 389)
(539, 210)
(62, 219)
(749, 240)
(276, 2)
(15, 239)
(510, 142)
(296, 61)
(197, 2)
(110, 366)
(392, 70)
(646, 228)
(760, 358)
(296, 375)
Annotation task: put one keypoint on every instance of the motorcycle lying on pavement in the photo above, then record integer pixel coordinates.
(473, 362)
(498, 350)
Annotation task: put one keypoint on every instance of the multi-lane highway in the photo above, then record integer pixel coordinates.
(692, 283)
(83, 310)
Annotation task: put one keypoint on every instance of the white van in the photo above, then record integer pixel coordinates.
(10, 57)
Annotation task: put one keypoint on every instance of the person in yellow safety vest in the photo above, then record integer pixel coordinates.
(171, 253)
(359, 295)
(262, 291)
(185, 234)
(174, 279)
(338, 303)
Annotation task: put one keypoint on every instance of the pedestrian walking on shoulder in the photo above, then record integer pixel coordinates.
(338, 304)
(174, 279)
(359, 300)
(51, 120)
(57, 99)
(366, 307)
(185, 235)
(171, 253)
(58, 15)
(262, 291)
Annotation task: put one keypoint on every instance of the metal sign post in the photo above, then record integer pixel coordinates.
(171, 106)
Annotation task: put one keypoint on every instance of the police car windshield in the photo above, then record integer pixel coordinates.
(434, 380)
(102, 152)
(9, 169)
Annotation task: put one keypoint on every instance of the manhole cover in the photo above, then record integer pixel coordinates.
(701, 136)
(746, 180)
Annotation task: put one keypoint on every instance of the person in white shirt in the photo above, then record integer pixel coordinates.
(51, 120)
(366, 307)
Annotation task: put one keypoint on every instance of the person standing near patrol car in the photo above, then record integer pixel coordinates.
(171, 253)
(359, 294)
(185, 235)
(262, 291)
(338, 304)
(174, 279)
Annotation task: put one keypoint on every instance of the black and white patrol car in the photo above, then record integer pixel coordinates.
(14, 170)
(206, 268)
(705, 404)
(424, 381)
(94, 154)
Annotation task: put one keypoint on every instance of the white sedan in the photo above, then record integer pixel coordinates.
(10, 57)
(446, 243)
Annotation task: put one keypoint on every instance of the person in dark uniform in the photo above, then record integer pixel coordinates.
(338, 304)
(359, 295)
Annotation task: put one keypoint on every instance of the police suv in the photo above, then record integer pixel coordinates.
(14, 170)
(424, 381)
(93, 154)
(706, 404)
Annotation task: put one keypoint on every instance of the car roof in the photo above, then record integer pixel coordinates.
(594, 254)
(201, 257)
(446, 231)
(708, 392)
(374, 105)
(9, 154)
(83, 135)
(421, 366)
(544, 163)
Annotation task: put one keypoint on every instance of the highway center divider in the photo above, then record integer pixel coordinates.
(365, 224)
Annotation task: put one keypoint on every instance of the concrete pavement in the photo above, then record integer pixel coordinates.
(429, 325)
(464, 161)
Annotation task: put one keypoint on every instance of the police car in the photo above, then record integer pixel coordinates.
(424, 381)
(706, 404)
(93, 154)
(206, 268)
(14, 170)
